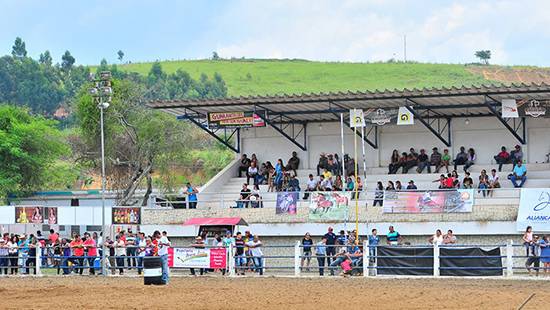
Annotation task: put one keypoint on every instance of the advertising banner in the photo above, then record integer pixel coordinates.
(126, 215)
(29, 215)
(245, 119)
(405, 117)
(534, 107)
(356, 118)
(287, 203)
(328, 206)
(437, 201)
(379, 116)
(509, 108)
(534, 209)
(215, 258)
(50, 215)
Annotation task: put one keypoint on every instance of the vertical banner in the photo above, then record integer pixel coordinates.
(328, 206)
(509, 108)
(534, 209)
(405, 117)
(50, 215)
(356, 118)
(287, 203)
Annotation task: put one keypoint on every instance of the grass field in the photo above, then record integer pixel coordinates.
(253, 77)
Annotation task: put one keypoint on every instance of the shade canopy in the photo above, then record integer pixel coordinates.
(215, 221)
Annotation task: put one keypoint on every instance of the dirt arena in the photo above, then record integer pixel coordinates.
(271, 293)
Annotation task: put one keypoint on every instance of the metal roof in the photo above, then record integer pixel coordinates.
(445, 102)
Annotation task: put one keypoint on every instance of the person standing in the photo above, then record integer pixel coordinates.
(142, 248)
(330, 236)
(3, 257)
(307, 242)
(164, 244)
(120, 252)
(199, 244)
(321, 254)
(240, 259)
(544, 254)
(533, 258)
(78, 253)
(191, 192)
(91, 248)
(131, 249)
(257, 254)
(393, 237)
(13, 254)
(374, 240)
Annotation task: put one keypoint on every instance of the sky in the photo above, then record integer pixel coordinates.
(437, 31)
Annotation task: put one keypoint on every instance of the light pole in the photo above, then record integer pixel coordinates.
(102, 92)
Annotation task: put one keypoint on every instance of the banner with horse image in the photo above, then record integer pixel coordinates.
(328, 206)
(287, 203)
(534, 209)
(436, 201)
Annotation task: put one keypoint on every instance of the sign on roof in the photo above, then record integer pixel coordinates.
(244, 119)
(534, 107)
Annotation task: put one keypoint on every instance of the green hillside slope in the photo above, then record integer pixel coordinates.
(253, 77)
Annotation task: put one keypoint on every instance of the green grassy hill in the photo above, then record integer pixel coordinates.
(261, 77)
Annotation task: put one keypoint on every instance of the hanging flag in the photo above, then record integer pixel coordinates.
(356, 118)
(509, 108)
(405, 117)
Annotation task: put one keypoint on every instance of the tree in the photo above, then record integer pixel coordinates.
(484, 56)
(19, 50)
(120, 55)
(136, 137)
(45, 58)
(29, 147)
(215, 56)
(67, 61)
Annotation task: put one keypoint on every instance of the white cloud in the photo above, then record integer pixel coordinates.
(373, 30)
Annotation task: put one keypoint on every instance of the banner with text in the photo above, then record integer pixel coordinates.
(287, 203)
(437, 201)
(126, 215)
(214, 258)
(236, 119)
(328, 206)
(534, 209)
(534, 107)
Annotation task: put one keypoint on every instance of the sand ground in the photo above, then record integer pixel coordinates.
(271, 293)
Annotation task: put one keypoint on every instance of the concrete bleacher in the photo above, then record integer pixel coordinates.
(538, 176)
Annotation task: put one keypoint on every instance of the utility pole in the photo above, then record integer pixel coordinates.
(405, 47)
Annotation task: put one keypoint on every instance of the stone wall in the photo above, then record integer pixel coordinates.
(480, 213)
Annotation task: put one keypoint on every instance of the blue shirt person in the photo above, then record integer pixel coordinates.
(519, 174)
(374, 240)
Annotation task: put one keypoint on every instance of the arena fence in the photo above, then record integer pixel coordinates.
(503, 260)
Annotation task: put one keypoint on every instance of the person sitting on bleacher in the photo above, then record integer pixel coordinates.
(293, 163)
(519, 173)
(332, 165)
(412, 160)
(349, 165)
(471, 159)
(338, 184)
(502, 158)
(311, 186)
(244, 164)
(442, 182)
(293, 184)
(402, 162)
(323, 163)
(435, 159)
(394, 162)
(338, 165)
(244, 197)
(493, 181)
(467, 182)
(461, 158)
(445, 160)
(516, 155)
(411, 185)
(326, 184)
(423, 162)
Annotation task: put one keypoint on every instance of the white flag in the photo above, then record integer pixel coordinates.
(356, 118)
(405, 117)
(509, 108)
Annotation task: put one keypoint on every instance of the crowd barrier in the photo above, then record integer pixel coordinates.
(380, 260)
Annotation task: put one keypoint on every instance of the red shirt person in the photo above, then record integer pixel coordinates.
(78, 251)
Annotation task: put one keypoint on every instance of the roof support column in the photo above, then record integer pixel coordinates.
(516, 125)
(292, 130)
(224, 135)
(442, 124)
